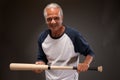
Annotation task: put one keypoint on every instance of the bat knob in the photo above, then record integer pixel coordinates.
(100, 68)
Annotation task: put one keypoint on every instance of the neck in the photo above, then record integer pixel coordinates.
(58, 32)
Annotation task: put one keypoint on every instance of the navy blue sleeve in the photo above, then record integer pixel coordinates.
(41, 55)
(80, 44)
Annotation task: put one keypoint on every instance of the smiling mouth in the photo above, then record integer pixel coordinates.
(53, 25)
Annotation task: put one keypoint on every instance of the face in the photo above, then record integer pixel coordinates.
(53, 19)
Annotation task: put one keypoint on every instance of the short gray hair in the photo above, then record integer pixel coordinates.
(53, 5)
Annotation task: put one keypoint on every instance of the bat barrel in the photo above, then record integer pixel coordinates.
(23, 66)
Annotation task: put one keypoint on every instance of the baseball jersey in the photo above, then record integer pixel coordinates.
(62, 51)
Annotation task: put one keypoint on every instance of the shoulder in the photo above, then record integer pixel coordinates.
(45, 32)
(43, 35)
(72, 31)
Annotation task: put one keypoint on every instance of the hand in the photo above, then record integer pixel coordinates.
(39, 63)
(82, 67)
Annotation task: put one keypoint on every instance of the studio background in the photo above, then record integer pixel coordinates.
(21, 22)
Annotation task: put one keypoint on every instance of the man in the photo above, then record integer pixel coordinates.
(61, 45)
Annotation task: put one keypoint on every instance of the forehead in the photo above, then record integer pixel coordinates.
(52, 11)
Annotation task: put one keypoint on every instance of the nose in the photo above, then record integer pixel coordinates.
(53, 21)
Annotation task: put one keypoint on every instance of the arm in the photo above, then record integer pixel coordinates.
(83, 47)
(88, 59)
(85, 65)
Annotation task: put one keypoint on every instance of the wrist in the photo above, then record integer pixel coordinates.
(88, 64)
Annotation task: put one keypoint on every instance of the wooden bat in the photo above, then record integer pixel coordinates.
(24, 66)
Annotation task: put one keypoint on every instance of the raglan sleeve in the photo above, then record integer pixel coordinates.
(82, 45)
(41, 55)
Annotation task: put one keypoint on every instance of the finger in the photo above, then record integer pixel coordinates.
(79, 68)
(82, 67)
(38, 71)
(40, 62)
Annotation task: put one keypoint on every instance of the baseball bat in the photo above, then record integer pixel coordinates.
(26, 66)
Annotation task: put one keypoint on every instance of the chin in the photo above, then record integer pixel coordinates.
(53, 27)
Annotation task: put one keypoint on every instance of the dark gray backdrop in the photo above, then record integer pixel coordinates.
(21, 21)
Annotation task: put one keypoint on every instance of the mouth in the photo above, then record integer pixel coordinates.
(53, 25)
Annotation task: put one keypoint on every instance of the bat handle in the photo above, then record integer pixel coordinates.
(99, 68)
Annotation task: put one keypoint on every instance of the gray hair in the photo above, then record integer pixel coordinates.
(53, 5)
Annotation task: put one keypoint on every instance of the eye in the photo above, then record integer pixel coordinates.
(56, 18)
(49, 19)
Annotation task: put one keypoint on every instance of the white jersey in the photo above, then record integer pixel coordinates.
(61, 52)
